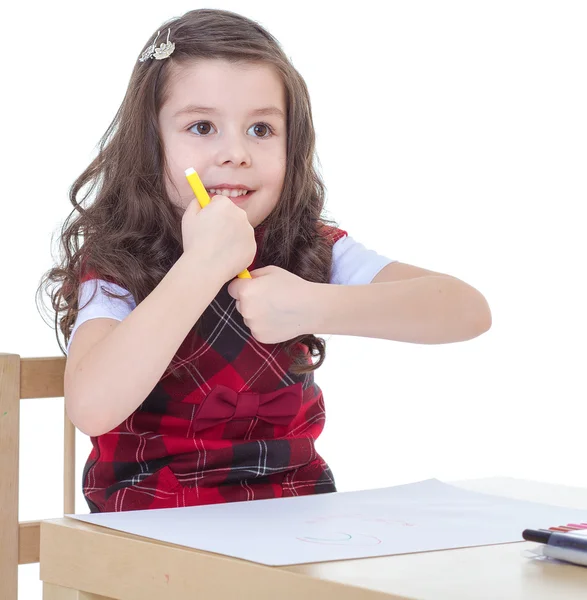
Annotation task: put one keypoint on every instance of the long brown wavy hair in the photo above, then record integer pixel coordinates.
(130, 233)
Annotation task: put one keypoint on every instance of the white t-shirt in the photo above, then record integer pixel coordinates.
(352, 264)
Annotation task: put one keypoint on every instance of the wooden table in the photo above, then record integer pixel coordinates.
(80, 561)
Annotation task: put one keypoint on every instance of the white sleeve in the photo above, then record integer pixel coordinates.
(353, 264)
(101, 305)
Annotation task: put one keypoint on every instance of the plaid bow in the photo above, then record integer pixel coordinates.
(224, 404)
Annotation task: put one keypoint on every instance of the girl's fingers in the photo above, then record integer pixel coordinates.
(262, 271)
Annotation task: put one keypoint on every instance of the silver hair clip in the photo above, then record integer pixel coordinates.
(165, 50)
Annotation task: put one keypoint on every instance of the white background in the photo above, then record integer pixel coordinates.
(452, 135)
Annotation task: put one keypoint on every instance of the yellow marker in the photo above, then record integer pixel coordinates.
(204, 199)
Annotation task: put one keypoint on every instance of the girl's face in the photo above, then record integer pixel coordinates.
(228, 122)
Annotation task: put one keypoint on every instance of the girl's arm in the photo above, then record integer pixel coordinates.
(403, 303)
(112, 366)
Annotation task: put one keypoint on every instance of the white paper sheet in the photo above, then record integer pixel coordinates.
(417, 517)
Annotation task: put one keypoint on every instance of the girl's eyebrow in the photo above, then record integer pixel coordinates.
(258, 112)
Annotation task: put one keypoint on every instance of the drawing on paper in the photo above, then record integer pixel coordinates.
(343, 539)
(343, 535)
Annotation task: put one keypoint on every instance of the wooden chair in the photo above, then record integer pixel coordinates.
(22, 378)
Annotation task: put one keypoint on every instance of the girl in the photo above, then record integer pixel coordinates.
(197, 387)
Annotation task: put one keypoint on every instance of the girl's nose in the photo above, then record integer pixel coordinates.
(233, 148)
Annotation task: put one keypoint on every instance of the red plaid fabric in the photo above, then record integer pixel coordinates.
(236, 425)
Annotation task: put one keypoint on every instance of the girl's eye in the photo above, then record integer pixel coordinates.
(201, 128)
(262, 127)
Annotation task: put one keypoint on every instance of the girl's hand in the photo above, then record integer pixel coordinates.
(276, 305)
(221, 234)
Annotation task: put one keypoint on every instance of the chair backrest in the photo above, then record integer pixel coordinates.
(22, 378)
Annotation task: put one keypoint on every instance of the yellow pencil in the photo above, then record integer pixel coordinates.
(204, 199)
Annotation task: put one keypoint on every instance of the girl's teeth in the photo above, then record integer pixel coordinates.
(229, 193)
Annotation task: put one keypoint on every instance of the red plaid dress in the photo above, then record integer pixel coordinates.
(238, 425)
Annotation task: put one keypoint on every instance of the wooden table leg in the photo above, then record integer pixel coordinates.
(57, 592)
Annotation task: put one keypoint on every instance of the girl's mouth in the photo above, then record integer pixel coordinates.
(237, 196)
